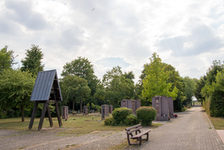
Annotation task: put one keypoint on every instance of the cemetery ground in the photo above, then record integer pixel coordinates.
(192, 130)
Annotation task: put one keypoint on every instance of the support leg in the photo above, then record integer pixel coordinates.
(49, 116)
(128, 139)
(58, 114)
(140, 140)
(42, 115)
(33, 115)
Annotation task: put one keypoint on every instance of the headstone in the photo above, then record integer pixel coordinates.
(164, 107)
(85, 110)
(65, 112)
(104, 111)
(132, 104)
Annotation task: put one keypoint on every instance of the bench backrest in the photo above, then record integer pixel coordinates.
(133, 128)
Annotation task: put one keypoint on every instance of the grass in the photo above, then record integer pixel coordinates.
(122, 145)
(218, 122)
(77, 124)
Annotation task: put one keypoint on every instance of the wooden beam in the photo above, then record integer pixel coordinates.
(49, 116)
(42, 115)
(33, 114)
(58, 114)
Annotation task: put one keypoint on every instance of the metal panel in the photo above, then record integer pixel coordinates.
(43, 86)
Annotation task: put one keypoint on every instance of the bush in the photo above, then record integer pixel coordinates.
(131, 120)
(120, 114)
(109, 121)
(146, 115)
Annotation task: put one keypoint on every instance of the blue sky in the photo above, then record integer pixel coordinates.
(186, 34)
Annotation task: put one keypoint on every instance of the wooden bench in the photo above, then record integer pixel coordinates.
(134, 132)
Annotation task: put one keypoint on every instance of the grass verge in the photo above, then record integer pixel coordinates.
(217, 122)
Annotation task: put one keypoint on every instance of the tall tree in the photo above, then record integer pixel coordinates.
(75, 90)
(82, 68)
(155, 81)
(6, 58)
(32, 62)
(15, 88)
(118, 86)
(189, 89)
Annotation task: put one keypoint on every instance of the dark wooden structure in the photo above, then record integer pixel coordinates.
(46, 89)
(65, 113)
(135, 132)
(104, 111)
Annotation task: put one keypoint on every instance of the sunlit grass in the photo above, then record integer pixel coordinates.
(218, 122)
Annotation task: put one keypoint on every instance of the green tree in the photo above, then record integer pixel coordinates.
(32, 62)
(155, 81)
(118, 86)
(82, 68)
(15, 88)
(189, 90)
(6, 59)
(75, 90)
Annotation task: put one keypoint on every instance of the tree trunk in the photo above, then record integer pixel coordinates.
(81, 106)
(22, 113)
(73, 105)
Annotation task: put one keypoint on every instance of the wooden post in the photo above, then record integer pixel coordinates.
(33, 114)
(58, 114)
(49, 116)
(43, 115)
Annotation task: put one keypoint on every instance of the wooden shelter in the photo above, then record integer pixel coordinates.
(46, 89)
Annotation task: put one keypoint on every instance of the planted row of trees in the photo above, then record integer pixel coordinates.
(80, 86)
(210, 89)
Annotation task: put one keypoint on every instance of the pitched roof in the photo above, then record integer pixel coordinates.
(46, 87)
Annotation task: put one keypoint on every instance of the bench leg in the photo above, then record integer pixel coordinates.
(147, 136)
(128, 140)
(140, 140)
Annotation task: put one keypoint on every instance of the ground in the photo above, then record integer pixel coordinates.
(192, 130)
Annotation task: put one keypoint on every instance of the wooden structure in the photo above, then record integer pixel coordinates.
(110, 109)
(164, 107)
(46, 89)
(85, 110)
(134, 132)
(132, 104)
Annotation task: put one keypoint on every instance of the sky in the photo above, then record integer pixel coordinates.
(188, 34)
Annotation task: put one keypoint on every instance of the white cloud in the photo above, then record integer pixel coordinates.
(184, 33)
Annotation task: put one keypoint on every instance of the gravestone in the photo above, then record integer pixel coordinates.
(65, 113)
(110, 109)
(85, 110)
(104, 111)
(164, 107)
(132, 104)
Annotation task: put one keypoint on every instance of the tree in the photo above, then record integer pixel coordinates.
(82, 68)
(118, 86)
(189, 90)
(75, 90)
(6, 59)
(199, 85)
(32, 62)
(15, 88)
(155, 81)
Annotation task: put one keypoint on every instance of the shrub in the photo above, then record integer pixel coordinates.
(146, 115)
(131, 120)
(109, 121)
(120, 114)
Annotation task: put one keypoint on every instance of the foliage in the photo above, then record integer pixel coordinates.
(109, 121)
(146, 115)
(6, 59)
(75, 90)
(189, 90)
(118, 86)
(131, 120)
(155, 80)
(120, 114)
(32, 62)
(199, 85)
(217, 96)
(82, 68)
(15, 88)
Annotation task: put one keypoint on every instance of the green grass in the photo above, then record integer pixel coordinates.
(218, 122)
(77, 124)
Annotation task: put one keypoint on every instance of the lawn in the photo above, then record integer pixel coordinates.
(218, 122)
(77, 124)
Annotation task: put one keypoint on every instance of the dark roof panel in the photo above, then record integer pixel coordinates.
(43, 86)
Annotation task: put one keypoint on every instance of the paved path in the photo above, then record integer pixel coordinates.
(191, 131)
